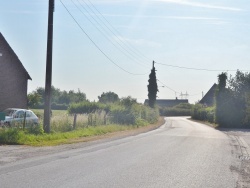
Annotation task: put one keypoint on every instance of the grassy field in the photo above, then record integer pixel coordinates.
(61, 130)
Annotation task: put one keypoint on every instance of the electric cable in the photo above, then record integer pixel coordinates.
(104, 34)
(96, 44)
(197, 69)
(136, 51)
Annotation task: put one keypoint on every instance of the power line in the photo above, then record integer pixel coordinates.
(128, 49)
(190, 68)
(176, 92)
(197, 69)
(96, 44)
(136, 51)
(104, 34)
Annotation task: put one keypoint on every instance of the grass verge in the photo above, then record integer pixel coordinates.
(16, 136)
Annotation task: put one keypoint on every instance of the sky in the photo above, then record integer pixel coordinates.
(109, 45)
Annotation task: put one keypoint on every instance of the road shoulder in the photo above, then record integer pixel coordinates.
(13, 153)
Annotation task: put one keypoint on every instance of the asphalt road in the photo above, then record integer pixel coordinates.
(179, 154)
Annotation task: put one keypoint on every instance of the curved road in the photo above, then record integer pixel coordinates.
(179, 154)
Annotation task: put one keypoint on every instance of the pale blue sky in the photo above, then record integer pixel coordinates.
(212, 34)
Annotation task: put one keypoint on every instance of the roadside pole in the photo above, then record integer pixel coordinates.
(48, 79)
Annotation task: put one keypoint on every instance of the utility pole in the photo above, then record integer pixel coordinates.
(48, 79)
(185, 96)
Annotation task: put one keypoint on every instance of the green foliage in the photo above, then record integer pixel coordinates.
(36, 129)
(34, 99)
(184, 106)
(86, 125)
(108, 97)
(56, 106)
(232, 102)
(126, 112)
(17, 136)
(247, 112)
(10, 136)
(128, 101)
(60, 99)
(87, 107)
(200, 112)
(152, 88)
(175, 112)
(130, 113)
(183, 109)
(221, 99)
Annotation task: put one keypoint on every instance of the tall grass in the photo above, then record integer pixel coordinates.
(18, 136)
(63, 129)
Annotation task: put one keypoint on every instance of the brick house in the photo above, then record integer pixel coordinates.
(13, 78)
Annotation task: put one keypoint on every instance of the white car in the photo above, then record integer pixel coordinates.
(16, 116)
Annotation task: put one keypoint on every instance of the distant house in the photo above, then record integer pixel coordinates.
(13, 78)
(208, 98)
(168, 102)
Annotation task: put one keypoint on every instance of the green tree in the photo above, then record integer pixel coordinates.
(230, 102)
(221, 99)
(152, 88)
(128, 101)
(247, 111)
(240, 89)
(61, 97)
(108, 97)
(33, 99)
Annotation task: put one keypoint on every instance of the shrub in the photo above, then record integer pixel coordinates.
(183, 109)
(125, 113)
(87, 107)
(10, 136)
(199, 112)
(36, 129)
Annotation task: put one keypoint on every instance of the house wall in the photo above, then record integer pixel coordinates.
(208, 99)
(13, 79)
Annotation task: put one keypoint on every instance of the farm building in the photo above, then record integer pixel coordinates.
(13, 78)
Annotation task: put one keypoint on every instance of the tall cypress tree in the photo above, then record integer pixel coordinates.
(152, 87)
(221, 99)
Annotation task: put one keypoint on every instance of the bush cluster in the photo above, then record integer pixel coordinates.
(125, 113)
(232, 100)
(183, 109)
(200, 112)
(54, 106)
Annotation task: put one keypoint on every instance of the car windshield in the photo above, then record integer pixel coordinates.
(9, 112)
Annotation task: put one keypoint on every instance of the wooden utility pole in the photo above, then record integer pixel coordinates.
(48, 79)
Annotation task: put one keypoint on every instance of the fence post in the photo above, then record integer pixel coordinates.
(74, 124)
(24, 121)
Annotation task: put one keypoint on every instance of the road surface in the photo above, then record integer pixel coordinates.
(179, 154)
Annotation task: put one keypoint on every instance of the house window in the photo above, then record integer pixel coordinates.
(1, 54)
